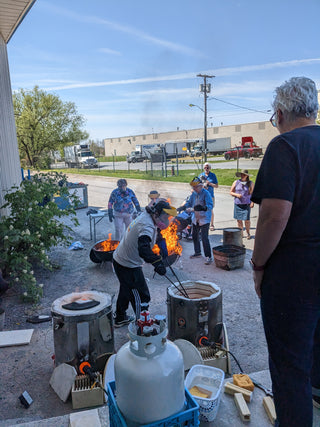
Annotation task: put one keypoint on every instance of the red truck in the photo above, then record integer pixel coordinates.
(247, 149)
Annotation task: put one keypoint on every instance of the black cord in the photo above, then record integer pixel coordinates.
(239, 106)
(219, 346)
(235, 359)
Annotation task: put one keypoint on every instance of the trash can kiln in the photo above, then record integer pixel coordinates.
(82, 322)
(196, 316)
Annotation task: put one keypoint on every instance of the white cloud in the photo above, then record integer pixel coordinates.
(109, 51)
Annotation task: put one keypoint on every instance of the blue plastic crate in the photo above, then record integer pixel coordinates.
(189, 417)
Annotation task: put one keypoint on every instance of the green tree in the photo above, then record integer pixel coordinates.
(97, 147)
(45, 123)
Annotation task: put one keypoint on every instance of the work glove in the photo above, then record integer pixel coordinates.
(198, 208)
(181, 208)
(160, 268)
(110, 214)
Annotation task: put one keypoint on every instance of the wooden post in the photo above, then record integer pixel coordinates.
(242, 407)
(232, 389)
(269, 408)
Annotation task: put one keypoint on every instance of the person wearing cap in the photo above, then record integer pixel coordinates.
(241, 190)
(286, 255)
(210, 182)
(200, 204)
(154, 197)
(134, 249)
(121, 205)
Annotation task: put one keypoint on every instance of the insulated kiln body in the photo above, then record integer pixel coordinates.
(82, 324)
(196, 316)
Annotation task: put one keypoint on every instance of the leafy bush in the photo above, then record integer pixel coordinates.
(33, 227)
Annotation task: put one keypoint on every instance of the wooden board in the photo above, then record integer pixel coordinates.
(230, 388)
(270, 409)
(242, 407)
(18, 337)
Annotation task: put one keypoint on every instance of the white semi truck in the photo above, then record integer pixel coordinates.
(79, 156)
(176, 148)
(141, 153)
(214, 146)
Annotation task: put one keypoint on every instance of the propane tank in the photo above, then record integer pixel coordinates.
(149, 375)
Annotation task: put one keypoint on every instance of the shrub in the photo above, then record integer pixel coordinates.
(32, 228)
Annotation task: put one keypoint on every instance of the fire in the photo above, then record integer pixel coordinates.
(107, 245)
(172, 241)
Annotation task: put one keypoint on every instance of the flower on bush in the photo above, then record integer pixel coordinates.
(28, 233)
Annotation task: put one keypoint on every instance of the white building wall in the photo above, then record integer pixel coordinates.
(10, 172)
(262, 132)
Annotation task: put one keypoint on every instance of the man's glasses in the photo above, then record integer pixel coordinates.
(273, 119)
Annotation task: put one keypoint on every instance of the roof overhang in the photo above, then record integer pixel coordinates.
(12, 13)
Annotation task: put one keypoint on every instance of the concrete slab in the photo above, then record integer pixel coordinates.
(18, 337)
(85, 419)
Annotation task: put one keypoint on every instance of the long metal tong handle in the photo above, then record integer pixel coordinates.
(178, 289)
(185, 293)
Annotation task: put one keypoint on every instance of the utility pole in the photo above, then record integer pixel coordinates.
(205, 88)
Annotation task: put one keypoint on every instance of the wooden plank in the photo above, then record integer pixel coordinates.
(270, 408)
(242, 407)
(232, 389)
(18, 337)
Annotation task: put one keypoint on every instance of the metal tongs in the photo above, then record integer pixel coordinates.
(182, 291)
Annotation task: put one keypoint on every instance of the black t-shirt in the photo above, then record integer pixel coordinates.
(290, 171)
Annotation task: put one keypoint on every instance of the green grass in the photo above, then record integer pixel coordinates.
(112, 158)
(225, 176)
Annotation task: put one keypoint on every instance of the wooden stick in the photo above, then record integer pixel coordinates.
(269, 408)
(232, 389)
(242, 407)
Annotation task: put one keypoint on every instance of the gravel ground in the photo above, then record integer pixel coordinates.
(30, 367)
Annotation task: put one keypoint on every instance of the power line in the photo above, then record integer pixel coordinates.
(239, 106)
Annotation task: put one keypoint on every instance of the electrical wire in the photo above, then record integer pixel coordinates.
(239, 106)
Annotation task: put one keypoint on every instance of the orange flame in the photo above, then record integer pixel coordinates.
(172, 241)
(107, 245)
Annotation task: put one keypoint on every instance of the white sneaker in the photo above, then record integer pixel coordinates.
(208, 260)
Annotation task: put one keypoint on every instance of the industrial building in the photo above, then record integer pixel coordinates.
(262, 133)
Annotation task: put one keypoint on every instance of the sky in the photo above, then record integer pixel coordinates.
(131, 66)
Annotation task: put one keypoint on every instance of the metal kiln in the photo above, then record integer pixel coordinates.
(82, 323)
(199, 316)
(196, 316)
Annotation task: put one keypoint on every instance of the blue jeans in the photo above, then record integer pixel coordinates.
(292, 328)
(205, 239)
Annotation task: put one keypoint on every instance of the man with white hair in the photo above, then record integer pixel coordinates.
(210, 182)
(199, 205)
(286, 256)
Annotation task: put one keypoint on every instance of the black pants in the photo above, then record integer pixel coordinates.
(205, 239)
(292, 328)
(133, 289)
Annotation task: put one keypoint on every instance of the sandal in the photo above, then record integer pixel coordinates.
(212, 228)
(248, 237)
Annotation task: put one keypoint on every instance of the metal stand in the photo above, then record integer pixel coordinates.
(94, 219)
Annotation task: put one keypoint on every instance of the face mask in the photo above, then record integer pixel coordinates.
(162, 221)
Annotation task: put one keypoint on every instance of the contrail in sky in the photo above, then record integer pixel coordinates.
(185, 76)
